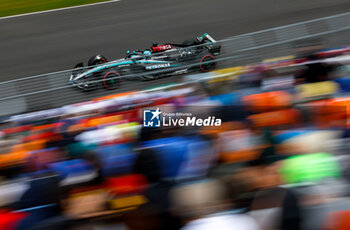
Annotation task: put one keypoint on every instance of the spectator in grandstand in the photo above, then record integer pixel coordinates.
(322, 191)
(156, 212)
(252, 79)
(40, 201)
(205, 205)
(322, 203)
(273, 207)
(148, 133)
(7, 169)
(315, 71)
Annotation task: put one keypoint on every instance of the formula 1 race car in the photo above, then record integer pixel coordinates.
(160, 60)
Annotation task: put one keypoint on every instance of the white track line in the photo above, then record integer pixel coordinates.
(59, 9)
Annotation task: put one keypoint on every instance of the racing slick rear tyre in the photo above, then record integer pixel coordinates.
(111, 80)
(190, 42)
(206, 67)
(97, 60)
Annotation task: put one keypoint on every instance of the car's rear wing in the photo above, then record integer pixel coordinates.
(206, 37)
(210, 38)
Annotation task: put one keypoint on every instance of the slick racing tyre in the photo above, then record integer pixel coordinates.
(190, 42)
(111, 80)
(97, 60)
(206, 67)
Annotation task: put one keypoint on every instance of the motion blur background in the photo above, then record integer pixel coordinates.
(82, 160)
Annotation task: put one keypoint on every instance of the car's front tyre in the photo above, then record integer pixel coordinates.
(111, 80)
(207, 63)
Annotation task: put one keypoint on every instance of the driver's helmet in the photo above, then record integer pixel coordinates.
(154, 44)
(147, 53)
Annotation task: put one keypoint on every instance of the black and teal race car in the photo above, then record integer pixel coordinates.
(160, 60)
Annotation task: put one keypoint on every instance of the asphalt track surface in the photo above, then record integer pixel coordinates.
(54, 41)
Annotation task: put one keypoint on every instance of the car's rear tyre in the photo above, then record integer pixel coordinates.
(206, 67)
(111, 80)
(190, 42)
(97, 60)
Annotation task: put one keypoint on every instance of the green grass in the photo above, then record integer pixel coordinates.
(13, 7)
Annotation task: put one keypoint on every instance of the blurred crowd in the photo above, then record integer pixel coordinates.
(279, 160)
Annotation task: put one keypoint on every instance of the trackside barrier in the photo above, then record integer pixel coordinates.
(166, 91)
(52, 90)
